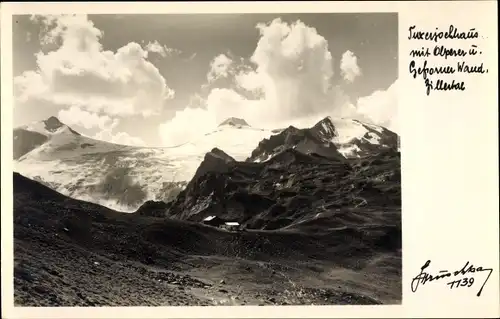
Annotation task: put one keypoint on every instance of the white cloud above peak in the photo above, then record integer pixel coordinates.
(122, 138)
(349, 66)
(293, 69)
(287, 79)
(162, 50)
(219, 67)
(79, 72)
(294, 65)
(381, 107)
(76, 116)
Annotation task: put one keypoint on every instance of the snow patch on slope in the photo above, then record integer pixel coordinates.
(123, 177)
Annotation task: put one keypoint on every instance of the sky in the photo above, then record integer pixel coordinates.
(161, 80)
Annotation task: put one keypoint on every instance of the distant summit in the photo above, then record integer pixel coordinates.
(28, 137)
(49, 126)
(234, 121)
(325, 129)
(52, 124)
(327, 138)
(316, 140)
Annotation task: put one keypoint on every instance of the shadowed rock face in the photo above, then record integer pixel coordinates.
(26, 141)
(352, 138)
(315, 140)
(215, 161)
(324, 130)
(303, 178)
(91, 166)
(52, 124)
(291, 188)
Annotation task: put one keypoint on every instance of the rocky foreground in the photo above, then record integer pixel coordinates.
(123, 177)
(318, 231)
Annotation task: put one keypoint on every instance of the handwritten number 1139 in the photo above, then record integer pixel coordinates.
(464, 282)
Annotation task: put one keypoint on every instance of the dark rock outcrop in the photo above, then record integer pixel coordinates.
(317, 140)
(289, 189)
(215, 161)
(353, 139)
(25, 141)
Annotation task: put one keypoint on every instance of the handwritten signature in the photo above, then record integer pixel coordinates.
(468, 269)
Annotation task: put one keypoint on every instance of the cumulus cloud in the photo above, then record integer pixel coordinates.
(251, 80)
(235, 73)
(193, 122)
(162, 50)
(219, 67)
(349, 66)
(186, 125)
(104, 124)
(79, 72)
(381, 107)
(292, 68)
(295, 66)
(76, 116)
(123, 138)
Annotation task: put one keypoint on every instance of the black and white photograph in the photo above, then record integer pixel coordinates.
(206, 159)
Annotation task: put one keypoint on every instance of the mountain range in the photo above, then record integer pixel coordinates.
(123, 177)
(318, 225)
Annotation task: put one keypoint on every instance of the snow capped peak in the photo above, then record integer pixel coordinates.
(356, 138)
(52, 124)
(325, 128)
(326, 121)
(48, 127)
(350, 137)
(234, 121)
(218, 153)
